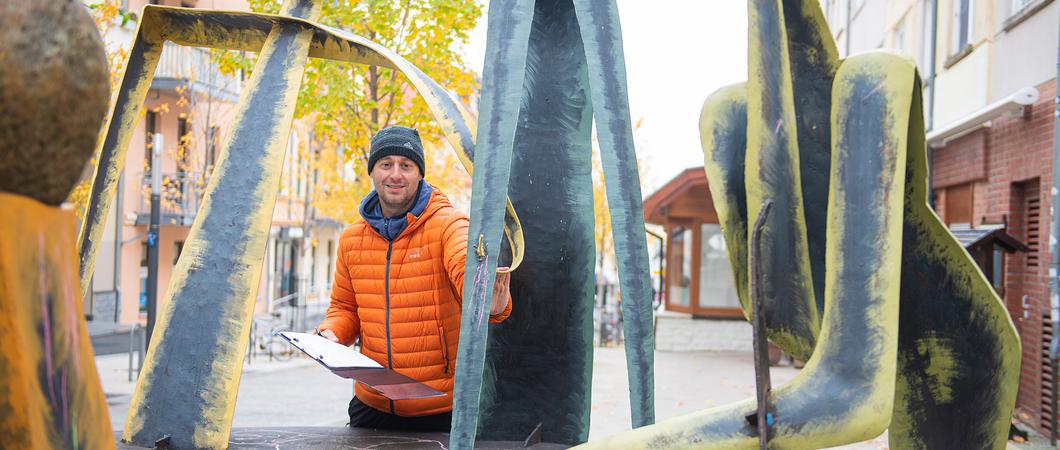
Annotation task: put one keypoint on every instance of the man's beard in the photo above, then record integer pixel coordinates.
(400, 206)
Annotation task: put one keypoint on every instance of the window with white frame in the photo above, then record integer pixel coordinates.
(963, 20)
(716, 288)
(927, 14)
(1018, 5)
(898, 42)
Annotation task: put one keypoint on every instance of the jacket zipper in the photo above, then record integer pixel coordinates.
(386, 287)
(445, 346)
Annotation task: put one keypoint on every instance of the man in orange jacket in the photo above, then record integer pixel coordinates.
(399, 280)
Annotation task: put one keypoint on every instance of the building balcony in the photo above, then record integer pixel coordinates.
(193, 68)
(180, 198)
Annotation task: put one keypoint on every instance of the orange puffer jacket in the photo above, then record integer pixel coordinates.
(415, 330)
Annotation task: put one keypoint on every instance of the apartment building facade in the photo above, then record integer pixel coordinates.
(989, 70)
(187, 113)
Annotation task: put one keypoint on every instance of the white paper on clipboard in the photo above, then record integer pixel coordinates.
(331, 354)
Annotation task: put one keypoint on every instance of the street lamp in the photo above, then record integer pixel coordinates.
(153, 235)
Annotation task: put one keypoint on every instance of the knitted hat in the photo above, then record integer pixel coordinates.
(396, 140)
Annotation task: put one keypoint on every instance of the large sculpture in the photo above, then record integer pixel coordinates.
(188, 387)
(858, 276)
(552, 67)
(191, 374)
(53, 95)
(901, 329)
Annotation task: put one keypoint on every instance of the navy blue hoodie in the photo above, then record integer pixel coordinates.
(391, 227)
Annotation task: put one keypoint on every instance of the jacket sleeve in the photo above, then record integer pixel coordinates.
(341, 317)
(455, 245)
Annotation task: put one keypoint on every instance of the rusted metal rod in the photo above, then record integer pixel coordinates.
(763, 386)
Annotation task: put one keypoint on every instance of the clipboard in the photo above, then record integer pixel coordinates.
(349, 363)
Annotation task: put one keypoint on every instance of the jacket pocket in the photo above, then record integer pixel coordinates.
(445, 346)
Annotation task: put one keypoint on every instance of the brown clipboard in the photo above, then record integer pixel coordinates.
(387, 382)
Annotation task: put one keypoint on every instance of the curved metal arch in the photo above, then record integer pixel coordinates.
(236, 30)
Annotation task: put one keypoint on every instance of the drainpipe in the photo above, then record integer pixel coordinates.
(1054, 245)
(930, 119)
(117, 248)
(930, 116)
(662, 272)
(847, 30)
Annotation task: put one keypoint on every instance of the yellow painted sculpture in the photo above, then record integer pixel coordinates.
(901, 329)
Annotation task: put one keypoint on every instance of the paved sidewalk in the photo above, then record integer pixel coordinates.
(298, 392)
(685, 382)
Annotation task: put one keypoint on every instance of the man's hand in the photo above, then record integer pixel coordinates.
(328, 334)
(500, 292)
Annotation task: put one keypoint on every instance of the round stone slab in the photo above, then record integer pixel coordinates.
(54, 91)
(335, 438)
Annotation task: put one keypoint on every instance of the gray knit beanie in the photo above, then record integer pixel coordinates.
(396, 140)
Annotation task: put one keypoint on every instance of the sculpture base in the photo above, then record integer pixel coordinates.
(328, 438)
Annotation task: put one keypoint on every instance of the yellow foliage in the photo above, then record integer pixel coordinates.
(345, 104)
(107, 14)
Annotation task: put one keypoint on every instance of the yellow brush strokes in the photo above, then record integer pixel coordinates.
(714, 118)
(944, 248)
(191, 27)
(761, 150)
(212, 430)
(38, 269)
(140, 77)
(725, 427)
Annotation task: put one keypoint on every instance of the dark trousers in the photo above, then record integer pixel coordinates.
(364, 416)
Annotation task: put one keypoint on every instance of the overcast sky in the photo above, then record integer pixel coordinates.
(677, 53)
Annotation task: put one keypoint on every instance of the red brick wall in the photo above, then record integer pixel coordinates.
(1007, 162)
(960, 161)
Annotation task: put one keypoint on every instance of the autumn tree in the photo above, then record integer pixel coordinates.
(107, 14)
(602, 231)
(348, 103)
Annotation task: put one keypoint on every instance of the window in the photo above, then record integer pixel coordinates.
(680, 267)
(150, 128)
(856, 6)
(183, 140)
(998, 275)
(178, 247)
(716, 289)
(957, 203)
(312, 268)
(212, 136)
(963, 19)
(331, 261)
(899, 35)
(1018, 5)
(926, 58)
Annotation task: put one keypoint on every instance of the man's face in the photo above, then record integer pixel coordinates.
(395, 178)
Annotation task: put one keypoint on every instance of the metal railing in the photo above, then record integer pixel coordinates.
(288, 313)
(607, 315)
(181, 194)
(136, 344)
(196, 66)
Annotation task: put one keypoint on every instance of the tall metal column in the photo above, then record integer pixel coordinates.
(1054, 245)
(153, 236)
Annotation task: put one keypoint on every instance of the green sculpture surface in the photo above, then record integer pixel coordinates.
(902, 330)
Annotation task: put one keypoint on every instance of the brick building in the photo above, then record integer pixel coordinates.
(1002, 174)
(989, 70)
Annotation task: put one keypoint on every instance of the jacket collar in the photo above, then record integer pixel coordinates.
(391, 227)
